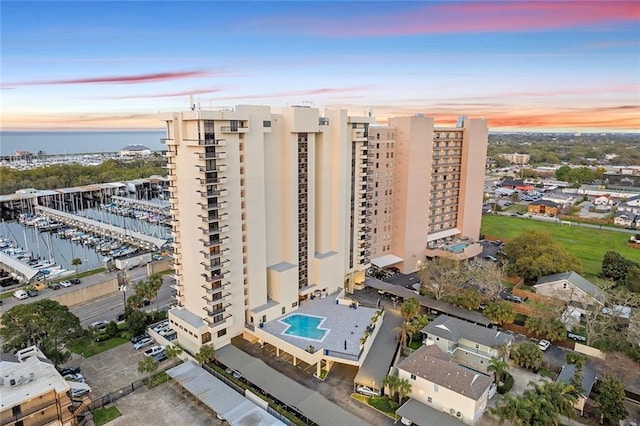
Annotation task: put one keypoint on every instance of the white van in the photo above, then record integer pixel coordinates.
(20, 294)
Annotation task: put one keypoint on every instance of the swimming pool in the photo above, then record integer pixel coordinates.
(305, 327)
(457, 248)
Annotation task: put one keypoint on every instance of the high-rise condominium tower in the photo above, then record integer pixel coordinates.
(270, 207)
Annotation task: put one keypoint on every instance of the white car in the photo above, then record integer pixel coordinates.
(75, 378)
(153, 350)
(164, 324)
(65, 283)
(544, 344)
(20, 294)
(142, 343)
(367, 391)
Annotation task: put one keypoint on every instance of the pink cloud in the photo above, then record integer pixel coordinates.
(126, 79)
(471, 17)
(321, 91)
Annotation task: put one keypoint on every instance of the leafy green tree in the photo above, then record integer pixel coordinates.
(610, 400)
(500, 312)
(632, 279)
(173, 351)
(403, 389)
(205, 355)
(516, 410)
(580, 175)
(534, 254)
(552, 330)
(563, 173)
(527, 355)
(44, 323)
(499, 367)
(469, 299)
(616, 267)
(148, 365)
(155, 283)
(112, 329)
(76, 262)
(137, 322)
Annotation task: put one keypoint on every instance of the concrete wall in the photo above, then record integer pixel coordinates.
(588, 350)
(85, 294)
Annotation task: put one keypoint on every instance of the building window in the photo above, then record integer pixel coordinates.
(429, 399)
(283, 310)
(206, 337)
(222, 332)
(413, 377)
(294, 304)
(435, 387)
(266, 123)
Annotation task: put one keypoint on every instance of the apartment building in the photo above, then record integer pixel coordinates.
(33, 392)
(274, 207)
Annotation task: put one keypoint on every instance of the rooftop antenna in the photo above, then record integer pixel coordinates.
(191, 104)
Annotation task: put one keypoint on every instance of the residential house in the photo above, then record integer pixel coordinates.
(604, 200)
(569, 287)
(470, 344)
(632, 205)
(544, 207)
(589, 378)
(440, 384)
(628, 220)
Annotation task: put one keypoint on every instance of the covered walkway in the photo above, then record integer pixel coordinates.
(308, 403)
(228, 404)
(14, 265)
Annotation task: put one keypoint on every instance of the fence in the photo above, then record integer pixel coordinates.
(82, 411)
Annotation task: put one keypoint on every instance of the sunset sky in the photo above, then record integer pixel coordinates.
(525, 66)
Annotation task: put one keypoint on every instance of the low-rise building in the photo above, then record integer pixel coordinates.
(589, 379)
(470, 344)
(631, 205)
(544, 207)
(628, 220)
(33, 392)
(518, 185)
(440, 384)
(569, 287)
(135, 150)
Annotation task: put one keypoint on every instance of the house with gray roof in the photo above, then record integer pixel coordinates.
(632, 205)
(569, 287)
(589, 379)
(470, 344)
(440, 384)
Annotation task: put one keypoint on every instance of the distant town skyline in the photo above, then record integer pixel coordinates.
(525, 66)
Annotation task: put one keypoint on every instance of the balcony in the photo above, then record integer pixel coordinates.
(214, 193)
(212, 155)
(214, 206)
(213, 180)
(215, 242)
(220, 229)
(221, 319)
(234, 129)
(171, 166)
(215, 255)
(359, 135)
(212, 142)
(170, 154)
(215, 284)
(213, 168)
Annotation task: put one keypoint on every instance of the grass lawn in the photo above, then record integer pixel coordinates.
(587, 244)
(105, 415)
(86, 348)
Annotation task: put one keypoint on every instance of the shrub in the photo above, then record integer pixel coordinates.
(112, 329)
(507, 384)
(575, 358)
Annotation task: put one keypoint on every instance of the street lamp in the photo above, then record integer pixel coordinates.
(123, 289)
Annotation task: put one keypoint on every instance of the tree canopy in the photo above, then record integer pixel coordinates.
(44, 323)
(610, 400)
(616, 267)
(534, 254)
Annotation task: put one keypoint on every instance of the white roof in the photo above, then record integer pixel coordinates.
(443, 234)
(386, 260)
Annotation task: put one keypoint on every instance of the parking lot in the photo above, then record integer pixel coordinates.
(117, 368)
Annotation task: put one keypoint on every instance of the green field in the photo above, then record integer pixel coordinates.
(587, 244)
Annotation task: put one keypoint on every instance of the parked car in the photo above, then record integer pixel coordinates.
(99, 324)
(153, 350)
(54, 286)
(156, 257)
(136, 339)
(20, 294)
(77, 377)
(160, 356)
(491, 258)
(65, 283)
(160, 326)
(77, 393)
(74, 280)
(65, 371)
(544, 344)
(39, 286)
(366, 391)
(142, 343)
(516, 299)
(32, 293)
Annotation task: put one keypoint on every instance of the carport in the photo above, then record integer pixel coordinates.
(18, 267)
(386, 260)
(423, 415)
(309, 404)
(233, 407)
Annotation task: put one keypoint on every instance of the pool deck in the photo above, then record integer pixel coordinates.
(344, 323)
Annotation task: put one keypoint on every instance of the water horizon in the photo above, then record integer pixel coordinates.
(61, 142)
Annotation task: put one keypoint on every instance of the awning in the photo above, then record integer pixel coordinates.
(443, 234)
(25, 270)
(423, 415)
(235, 408)
(387, 260)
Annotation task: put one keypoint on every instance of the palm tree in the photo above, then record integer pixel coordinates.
(404, 389)
(76, 262)
(410, 308)
(392, 382)
(155, 283)
(148, 365)
(499, 367)
(173, 351)
(515, 410)
(206, 354)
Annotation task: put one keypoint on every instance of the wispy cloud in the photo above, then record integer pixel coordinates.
(469, 17)
(123, 79)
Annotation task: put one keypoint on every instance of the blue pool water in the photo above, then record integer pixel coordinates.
(305, 326)
(457, 248)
